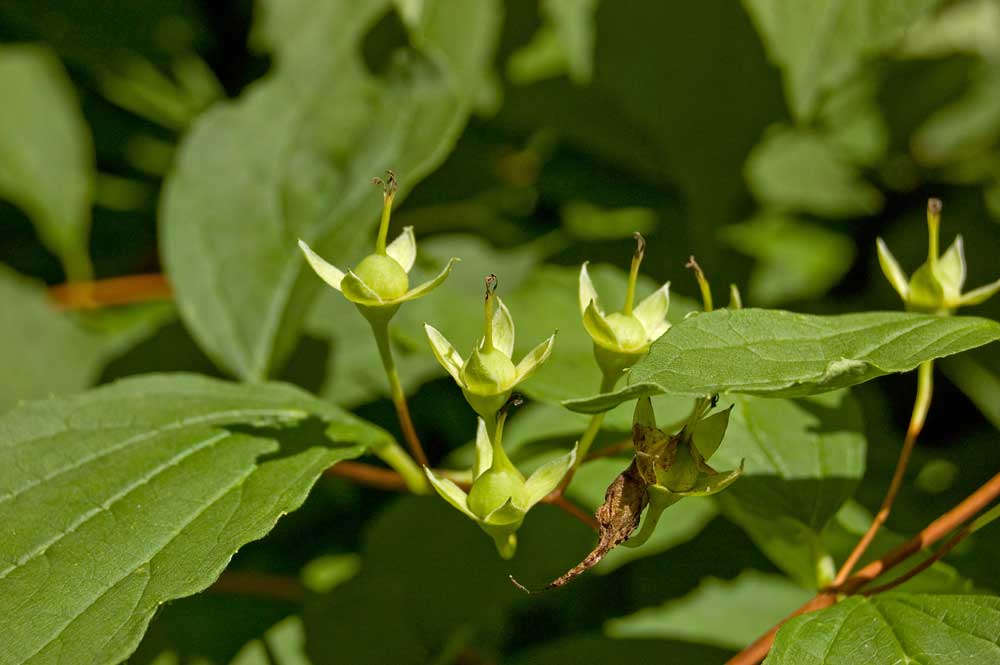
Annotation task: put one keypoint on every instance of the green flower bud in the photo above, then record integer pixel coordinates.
(500, 496)
(936, 286)
(621, 339)
(488, 375)
(380, 283)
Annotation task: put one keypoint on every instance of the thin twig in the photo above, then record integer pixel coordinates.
(260, 585)
(113, 291)
(609, 451)
(939, 554)
(366, 474)
(576, 511)
(386, 479)
(933, 532)
(921, 404)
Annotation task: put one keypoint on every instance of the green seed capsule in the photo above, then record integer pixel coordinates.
(383, 275)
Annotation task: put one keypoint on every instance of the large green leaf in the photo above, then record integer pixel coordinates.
(46, 155)
(120, 499)
(776, 353)
(803, 460)
(294, 157)
(725, 613)
(893, 628)
(819, 45)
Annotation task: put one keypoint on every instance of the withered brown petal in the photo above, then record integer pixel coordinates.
(618, 518)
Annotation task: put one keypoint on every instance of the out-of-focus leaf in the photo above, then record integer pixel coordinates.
(586, 221)
(46, 352)
(229, 241)
(724, 613)
(152, 500)
(802, 460)
(564, 44)
(853, 123)
(970, 27)
(819, 45)
(450, 571)
(795, 260)
(893, 628)
(283, 644)
(797, 170)
(46, 156)
(980, 384)
(776, 353)
(965, 128)
(83, 33)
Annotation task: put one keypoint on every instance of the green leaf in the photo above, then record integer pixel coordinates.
(893, 628)
(46, 352)
(330, 126)
(724, 613)
(965, 128)
(142, 485)
(798, 170)
(819, 45)
(284, 643)
(803, 460)
(979, 383)
(564, 44)
(586, 221)
(783, 354)
(795, 260)
(46, 156)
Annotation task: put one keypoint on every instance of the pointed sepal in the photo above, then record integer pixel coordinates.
(328, 272)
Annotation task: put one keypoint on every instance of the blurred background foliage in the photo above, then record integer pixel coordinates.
(773, 139)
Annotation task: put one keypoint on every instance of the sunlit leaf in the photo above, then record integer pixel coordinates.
(777, 353)
(150, 485)
(893, 628)
(46, 156)
(229, 242)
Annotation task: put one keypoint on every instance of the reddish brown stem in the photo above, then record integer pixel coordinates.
(933, 532)
(112, 291)
(366, 474)
(410, 432)
(260, 585)
(921, 405)
(385, 479)
(610, 451)
(572, 509)
(941, 552)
